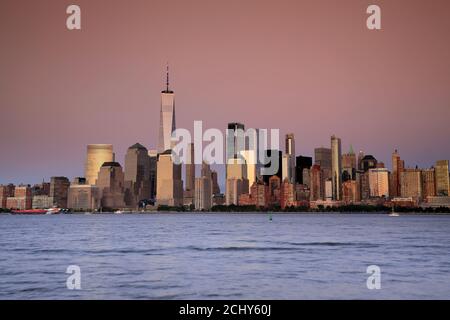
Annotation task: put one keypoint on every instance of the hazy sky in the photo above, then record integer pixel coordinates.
(307, 67)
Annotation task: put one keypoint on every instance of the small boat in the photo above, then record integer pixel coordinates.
(393, 213)
(53, 211)
(118, 212)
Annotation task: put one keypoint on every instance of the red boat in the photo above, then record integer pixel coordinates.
(33, 211)
(37, 211)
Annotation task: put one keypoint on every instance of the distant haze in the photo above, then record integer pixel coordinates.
(307, 67)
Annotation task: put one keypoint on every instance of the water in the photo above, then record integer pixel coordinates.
(224, 256)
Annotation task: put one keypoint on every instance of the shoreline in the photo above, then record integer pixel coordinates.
(328, 213)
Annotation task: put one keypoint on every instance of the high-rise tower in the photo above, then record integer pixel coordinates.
(167, 117)
(97, 155)
(336, 167)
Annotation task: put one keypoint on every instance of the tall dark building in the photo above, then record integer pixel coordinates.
(59, 188)
(279, 172)
(153, 155)
(137, 174)
(368, 162)
(301, 163)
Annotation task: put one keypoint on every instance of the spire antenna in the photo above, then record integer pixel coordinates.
(167, 78)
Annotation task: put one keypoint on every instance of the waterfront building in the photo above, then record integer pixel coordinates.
(41, 189)
(234, 188)
(83, 196)
(22, 199)
(59, 186)
(259, 192)
(442, 178)
(328, 190)
(42, 202)
(111, 185)
(411, 184)
(203, 189)
(364, 183)
(428, 183)
(350, 192)
(6, 191)
(137, 175)
(316, 183)
(97, 155)
(397, 167)
(169, 183)
(379, 183)
(287, 194)
(274, 190)
(302, 193)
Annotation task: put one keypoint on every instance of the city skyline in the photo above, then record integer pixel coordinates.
(378, 91)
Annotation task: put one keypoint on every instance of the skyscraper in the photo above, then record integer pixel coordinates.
(250, 166)
(397, 167)
(169, 183)
(411, 184)
(336, 168)
(203, 189)
(290, 152)
(111, 185)
(97, 155)
(322, 157)
(302, 163)
(137, 174)
(428, 183)
(379, 182)
(236, 180)
(153, 155)
(442, 178)
(316, 183)
(167, 117)
(349, 165)
(190, 168)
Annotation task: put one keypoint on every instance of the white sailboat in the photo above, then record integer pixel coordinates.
(393, 213)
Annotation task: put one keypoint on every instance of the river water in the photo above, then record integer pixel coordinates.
(225, 256)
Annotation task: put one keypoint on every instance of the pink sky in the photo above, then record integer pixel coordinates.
(307, 67)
